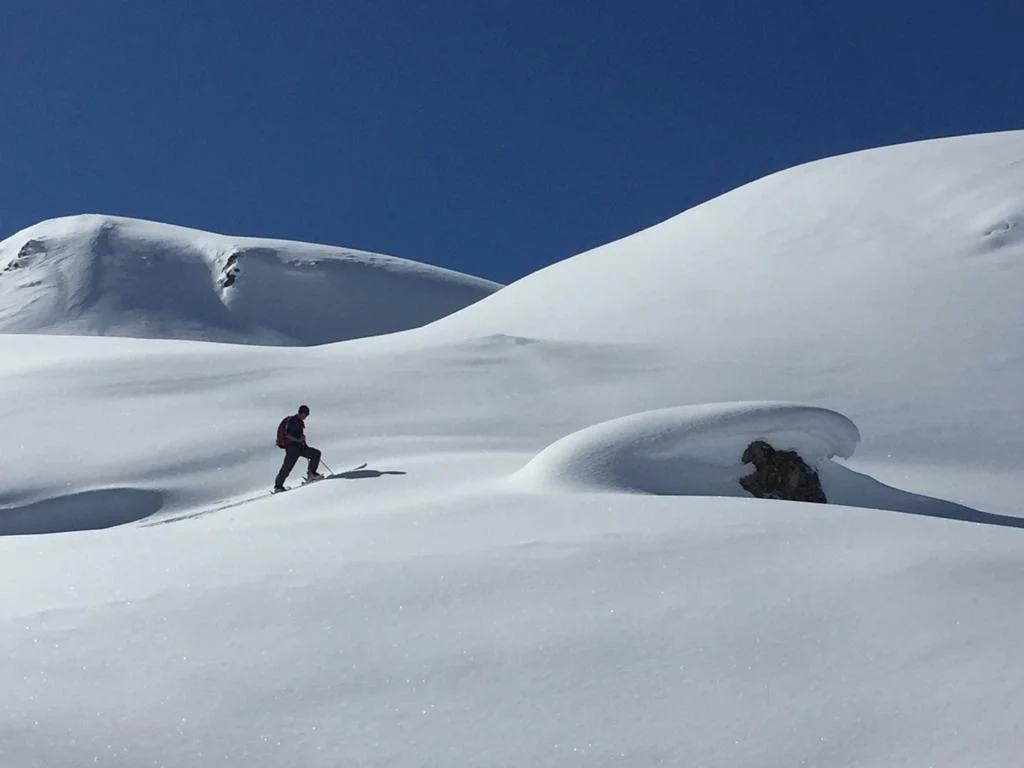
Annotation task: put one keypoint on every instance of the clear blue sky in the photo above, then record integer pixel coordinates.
(490, 136)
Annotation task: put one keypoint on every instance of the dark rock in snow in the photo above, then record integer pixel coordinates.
(28, 250)
(780, 475)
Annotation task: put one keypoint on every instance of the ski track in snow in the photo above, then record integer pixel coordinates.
(249, 499)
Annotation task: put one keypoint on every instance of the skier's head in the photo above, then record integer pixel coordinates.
(303, 411)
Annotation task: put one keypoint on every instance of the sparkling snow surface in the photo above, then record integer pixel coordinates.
(466, 600)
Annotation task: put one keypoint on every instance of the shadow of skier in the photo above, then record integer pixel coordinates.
(364, 474)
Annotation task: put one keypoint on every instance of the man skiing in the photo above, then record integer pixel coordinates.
(292, 437)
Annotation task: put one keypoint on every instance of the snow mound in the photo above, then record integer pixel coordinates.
(689, 450)
(104, 275)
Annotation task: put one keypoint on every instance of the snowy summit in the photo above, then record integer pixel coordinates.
(111, 276)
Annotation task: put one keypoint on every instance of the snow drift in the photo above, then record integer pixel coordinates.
(689, 450)
(696, 451)
(103, 275)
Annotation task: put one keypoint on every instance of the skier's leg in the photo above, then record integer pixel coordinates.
(291, 455)
(314, 459)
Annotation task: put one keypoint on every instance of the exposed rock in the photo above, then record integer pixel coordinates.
(230, 271)
(31, 248)
(780, 475)
(28, 250)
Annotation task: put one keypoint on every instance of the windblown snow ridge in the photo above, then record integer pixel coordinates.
(690, 450)
(105, 275)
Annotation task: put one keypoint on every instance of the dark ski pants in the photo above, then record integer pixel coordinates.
(292, 454)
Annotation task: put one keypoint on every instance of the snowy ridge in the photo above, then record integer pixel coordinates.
(105, 275)
(816, 245)
(689, 450)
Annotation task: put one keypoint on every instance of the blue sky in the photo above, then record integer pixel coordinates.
(489, 136)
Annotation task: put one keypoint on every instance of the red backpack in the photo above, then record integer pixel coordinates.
(282, 441)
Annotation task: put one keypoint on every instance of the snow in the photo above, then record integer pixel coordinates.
(688, 450)
(113, 276)
(879, 284)
(466, 599)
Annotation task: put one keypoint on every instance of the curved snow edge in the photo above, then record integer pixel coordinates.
(686, 450)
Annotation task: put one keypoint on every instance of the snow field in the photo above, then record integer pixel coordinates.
(493, 627)
(454, 605)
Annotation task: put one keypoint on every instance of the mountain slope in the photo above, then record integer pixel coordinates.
(830, 245)
(103, 275)
(885, 284)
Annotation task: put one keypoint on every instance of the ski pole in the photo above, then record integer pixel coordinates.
(329, 470)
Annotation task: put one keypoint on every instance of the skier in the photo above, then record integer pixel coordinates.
(291, 436)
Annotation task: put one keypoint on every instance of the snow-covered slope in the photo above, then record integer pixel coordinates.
(124, 277)
(881, 242)
(886, 284)
(485, 591)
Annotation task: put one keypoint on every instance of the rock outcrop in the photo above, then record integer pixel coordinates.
(780, 475)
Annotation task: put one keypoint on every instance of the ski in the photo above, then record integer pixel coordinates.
(275, 491)
(238, 502)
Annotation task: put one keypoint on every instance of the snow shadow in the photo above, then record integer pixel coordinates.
(853, 489)
(85, 511)
(364, 474)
